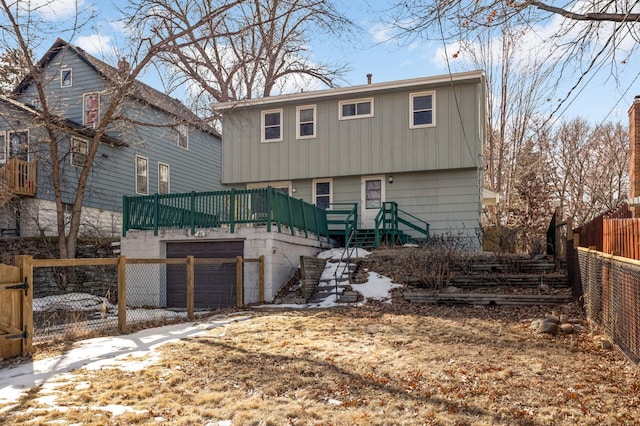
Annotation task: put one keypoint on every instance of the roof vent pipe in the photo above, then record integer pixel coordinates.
(369, 78)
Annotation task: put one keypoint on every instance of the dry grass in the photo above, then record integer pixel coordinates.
(374, 365)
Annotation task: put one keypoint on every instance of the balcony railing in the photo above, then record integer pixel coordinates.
(19, 177)
(244, 207)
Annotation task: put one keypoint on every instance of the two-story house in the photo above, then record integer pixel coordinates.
(415, 144)
(157, 145)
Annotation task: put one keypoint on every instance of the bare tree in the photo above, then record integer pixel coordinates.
(264, 47)
(13, 66)
(581, 37)
(20, 24)
(588, 167)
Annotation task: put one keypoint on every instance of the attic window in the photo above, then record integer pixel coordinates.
(66, 77)
(180, 136)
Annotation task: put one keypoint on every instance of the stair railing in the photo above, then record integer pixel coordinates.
(389, 218)
(349, 253)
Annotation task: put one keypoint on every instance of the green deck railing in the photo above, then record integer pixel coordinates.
(236, 207)
(343, 217)
(389, 219)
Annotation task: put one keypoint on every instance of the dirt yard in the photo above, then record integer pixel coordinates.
(379, 364)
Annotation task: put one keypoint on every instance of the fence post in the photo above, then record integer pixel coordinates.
(156, 213)
(232, 210)
(125, 215)
(291, 225)
(261, 278)
(25, 263)
(190, 286)
(270, 214)
(193, 212)
(239, 293)
(122, 294)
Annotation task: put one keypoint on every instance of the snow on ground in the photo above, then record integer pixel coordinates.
(72, 301)
(131, 352)
(339, 253)
(136, 351)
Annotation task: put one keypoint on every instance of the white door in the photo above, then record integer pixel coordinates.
(372, 188)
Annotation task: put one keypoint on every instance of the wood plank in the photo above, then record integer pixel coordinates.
(52, 263)
(487, 298)
(11, 309)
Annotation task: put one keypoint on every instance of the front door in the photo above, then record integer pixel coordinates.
(372, 189)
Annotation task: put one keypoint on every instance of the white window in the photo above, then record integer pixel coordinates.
(180, 136)
(306, 122)
(79, 150)
(323, 193)
(19, 145)
(66, 75)
(3, 148)
(163, 178)
(91, 109)
(142, 175)
(272, 125)
(359, 108)
(422, 107)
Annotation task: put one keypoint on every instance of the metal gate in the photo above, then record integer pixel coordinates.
(16, 311)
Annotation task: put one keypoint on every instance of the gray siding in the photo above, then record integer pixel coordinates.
(113, 172)
(380, 144)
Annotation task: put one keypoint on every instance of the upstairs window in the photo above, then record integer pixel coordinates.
(3, 148)
(66, 75)
(306, 122)
(19, 145)
(91, 109)
(163, 178)
(79, 150)
(359, 108)
(180, 136)
(422, 110)
(142, 175)
(272, 125)
(322, 193)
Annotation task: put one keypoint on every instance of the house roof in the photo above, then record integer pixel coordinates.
(359, 90)
(140, 90)
(63, 123)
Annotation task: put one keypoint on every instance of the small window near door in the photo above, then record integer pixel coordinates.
(422, 110)
(272, 125)
(322, 193)
(79, 149)
(142, 175)
(373, 194)
(3, 148)
(163, 178)
(66, 75)
(306, 117)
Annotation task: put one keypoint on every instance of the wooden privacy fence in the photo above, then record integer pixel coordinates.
(16, 292)
(621, 237)
(16, 302)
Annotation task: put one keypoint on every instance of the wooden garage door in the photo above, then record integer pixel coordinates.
(215, 285)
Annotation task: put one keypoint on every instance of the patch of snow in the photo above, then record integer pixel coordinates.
(332, 401)
(72, 302)
(377, 287)
(339, 253)
(117, 409)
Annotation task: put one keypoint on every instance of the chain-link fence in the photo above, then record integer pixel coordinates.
(80, 298)
(611, 287)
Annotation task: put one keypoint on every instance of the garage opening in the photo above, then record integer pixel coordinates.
(214, 285)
